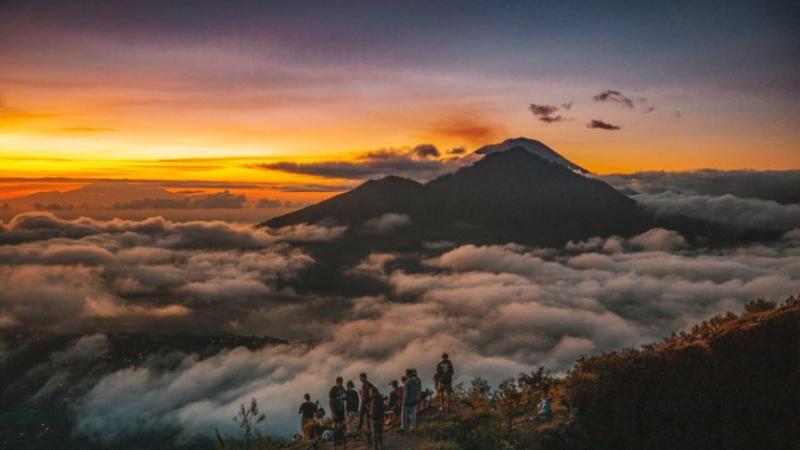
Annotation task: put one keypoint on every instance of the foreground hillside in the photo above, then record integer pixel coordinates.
(731, 382)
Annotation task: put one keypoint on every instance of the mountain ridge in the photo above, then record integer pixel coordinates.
(512, 194)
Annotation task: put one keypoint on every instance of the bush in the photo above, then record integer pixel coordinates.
(437, 445)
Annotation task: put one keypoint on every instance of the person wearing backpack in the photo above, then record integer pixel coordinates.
(412, 390)
(444, 372)
(307, 411)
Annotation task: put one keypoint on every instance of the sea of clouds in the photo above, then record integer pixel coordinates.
(498, 310)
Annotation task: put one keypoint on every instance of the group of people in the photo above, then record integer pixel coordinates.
(350, 409)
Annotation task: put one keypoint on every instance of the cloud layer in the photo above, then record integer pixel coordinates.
(67, 275)
(498, 310)
(780, 186)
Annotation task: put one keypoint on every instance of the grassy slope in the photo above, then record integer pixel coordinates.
(732, 382)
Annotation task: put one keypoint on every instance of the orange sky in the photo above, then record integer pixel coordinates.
(94, 94)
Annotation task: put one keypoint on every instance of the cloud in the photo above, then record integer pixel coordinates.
(313, 187)
(545, 113)
(729, 209)
(105, 307)
(70, 275)
(426, 151)
(386, 223)
(599, 124)
(269, 203)
(779, 186)
(614, 96)
(467, 129)
(655, 239)
(659, 239)
(627, 102)
(218, 200)
(498, 310)
(419, 163)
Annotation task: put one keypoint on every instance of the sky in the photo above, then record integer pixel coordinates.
(228, 92)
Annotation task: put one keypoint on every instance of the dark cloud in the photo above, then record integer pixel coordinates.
(457, 151)
(313, 187)
(53, 207)
(220, 200)
(542, 110)
(614, 96)
(644, 105)
(546, 113)
(567, 106)
(619, 98)
(426, 151)
(600, 125)
(418, 163)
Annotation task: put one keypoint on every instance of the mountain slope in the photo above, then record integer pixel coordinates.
(371, 199)
(526, 193)
(517, 196)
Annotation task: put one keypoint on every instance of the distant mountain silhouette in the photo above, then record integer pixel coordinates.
(520, 191)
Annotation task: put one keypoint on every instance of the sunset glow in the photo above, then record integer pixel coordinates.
(85, 94)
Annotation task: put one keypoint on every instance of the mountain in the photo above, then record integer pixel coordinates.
(534, 147)
(371, 199)
(520, 191)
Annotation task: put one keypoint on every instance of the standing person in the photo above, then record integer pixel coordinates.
(400, 390)
(365, 393)
(376, 415)
(351, 406)
(336, 398)
(411, 394)
(394, 404)
(445, 372)
(307, 411)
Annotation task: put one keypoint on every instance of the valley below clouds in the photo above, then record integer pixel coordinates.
(497, 309)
